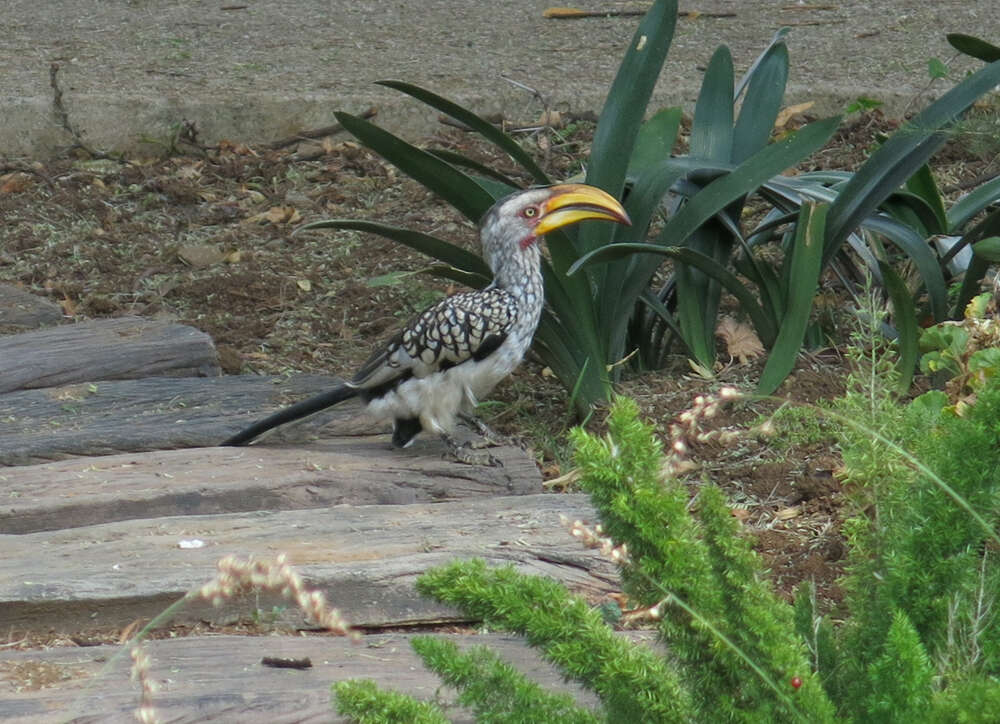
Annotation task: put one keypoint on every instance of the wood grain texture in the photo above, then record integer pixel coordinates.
(159, 413)
(365, 558)
(220, 678)
(198, 481)
(21, 310)
(104, 349)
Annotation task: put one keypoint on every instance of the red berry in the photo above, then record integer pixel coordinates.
(796, 682)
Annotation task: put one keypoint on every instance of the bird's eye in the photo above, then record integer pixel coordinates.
(530, 212)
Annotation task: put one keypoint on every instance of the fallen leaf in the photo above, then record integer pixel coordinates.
(200, 256)
(190, 171)
(788, 513)
(14, 183)
(551, 118)
(129, 630)
(277, 215)
(789, 112)
(233, 257)
(740, 339)
(305, 285)
(701, 370)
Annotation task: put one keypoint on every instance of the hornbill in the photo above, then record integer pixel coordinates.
(438, 366)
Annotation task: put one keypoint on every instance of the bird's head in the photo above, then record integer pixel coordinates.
(524, 216)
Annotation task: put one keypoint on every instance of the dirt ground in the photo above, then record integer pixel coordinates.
(205, 237)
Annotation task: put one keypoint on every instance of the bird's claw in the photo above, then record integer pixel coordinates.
(490, 438)
(471, 454)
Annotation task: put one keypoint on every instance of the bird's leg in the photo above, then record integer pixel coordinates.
(468, 454)
(490, 437)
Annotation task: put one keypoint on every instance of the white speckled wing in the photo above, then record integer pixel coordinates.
(468, 325)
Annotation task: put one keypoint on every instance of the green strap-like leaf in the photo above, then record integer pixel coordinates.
(763, 324)
(913, 211)
(776, 39)
(922, 185)
(905, 320)
(976, 47)
(972, 203)
(455, 187)
(447, 271)
(432, 246)
(623, 112)
(765, 327)
(699, 295)
(655, 141)
(972, 280)
(658, 308)
(806, 265)
(765, 93)
(901, 156)
(712, 127)
(916, 247)
(480, 125)
(457, 159)
(632, 275)
(750, 174)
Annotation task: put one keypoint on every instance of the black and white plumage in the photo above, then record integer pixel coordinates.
(454, 353)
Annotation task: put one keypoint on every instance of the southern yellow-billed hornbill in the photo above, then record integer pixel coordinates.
(441, 363)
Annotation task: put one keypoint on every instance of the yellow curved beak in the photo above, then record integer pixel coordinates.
(571, 203)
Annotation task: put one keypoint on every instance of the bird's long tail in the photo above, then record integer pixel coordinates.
(295, 412)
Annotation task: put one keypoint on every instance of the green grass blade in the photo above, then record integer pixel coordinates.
(765, 92)
(806, 266)
(432, 246)
(901, 156)
(480, 125)
(712, 127)
(905, 319)
(455, 187)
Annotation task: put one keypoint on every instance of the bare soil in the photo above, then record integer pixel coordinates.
(205, 237)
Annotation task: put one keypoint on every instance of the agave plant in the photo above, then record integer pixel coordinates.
(891, 198)
(600, 304)
(588, 327)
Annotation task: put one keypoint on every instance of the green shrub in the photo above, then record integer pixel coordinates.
(920, 640)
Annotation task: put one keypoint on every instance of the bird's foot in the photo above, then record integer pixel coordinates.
(490, 438)
(470, 454)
